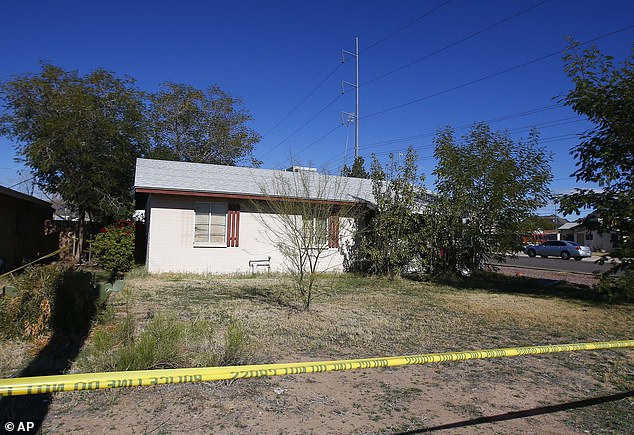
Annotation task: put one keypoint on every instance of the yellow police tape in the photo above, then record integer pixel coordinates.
(94, 381)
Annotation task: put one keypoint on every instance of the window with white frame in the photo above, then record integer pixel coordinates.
(315, 231)
(210, 226)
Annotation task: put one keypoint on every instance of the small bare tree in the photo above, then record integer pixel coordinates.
(303, 214)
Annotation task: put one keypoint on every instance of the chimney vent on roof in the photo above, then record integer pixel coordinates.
(301, 168)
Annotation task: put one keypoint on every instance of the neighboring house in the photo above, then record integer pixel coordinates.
(547, 229)
(205, 218)
(550, 231)
(577, 232)
(25, 231)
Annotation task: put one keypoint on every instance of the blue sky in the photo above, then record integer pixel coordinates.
(273, 54)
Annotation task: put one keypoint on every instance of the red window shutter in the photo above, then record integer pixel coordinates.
(229, 226)
(333, 232)
(233, 225)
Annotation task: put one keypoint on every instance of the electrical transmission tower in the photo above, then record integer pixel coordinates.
(354, 115)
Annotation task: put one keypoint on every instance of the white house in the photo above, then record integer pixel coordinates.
(205, 218)
(577, 232)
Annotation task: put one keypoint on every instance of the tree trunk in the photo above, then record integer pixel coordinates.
(81, 229)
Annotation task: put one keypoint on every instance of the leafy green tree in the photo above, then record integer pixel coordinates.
(192, 125)
(541, 223)
(604, 93)
(357, 170)
(389, 242)
(79, 135)
(487, 186)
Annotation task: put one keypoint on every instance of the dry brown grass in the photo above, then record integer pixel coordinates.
(357, 317)
(369, 316)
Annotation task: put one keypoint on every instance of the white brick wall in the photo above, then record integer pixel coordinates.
(171, 241)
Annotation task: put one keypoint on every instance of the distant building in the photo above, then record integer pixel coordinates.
(548, 230)
(551, 232)
(24, 228)
(578, 232)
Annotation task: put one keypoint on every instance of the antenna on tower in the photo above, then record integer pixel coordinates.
(356, 86)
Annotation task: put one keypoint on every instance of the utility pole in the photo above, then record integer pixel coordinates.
(356, 86)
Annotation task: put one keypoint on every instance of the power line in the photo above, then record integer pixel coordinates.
(558, 122)
(492, 75)
(554, 123)
(303, 100)
(501, 118)
(430, 146)
(551, 139)
(459, 128)
(303, 125)
(21, 182)
(559, 138)
(330, 75)
(320, 139)
(426, 14)
(460, 41)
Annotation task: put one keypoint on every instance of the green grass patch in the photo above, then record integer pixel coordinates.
(164, 342)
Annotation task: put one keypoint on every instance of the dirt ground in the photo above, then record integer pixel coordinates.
(508, 397)
(584, 392)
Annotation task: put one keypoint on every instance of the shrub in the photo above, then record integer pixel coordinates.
(113, 247)
(50, 298)
(157, 346)
(201, 344)
(236, 345)
(619, 289)
(165, 342)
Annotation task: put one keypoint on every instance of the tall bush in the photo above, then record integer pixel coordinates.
(390, 241)
(113, 247)
(49, 299)
(487, 185)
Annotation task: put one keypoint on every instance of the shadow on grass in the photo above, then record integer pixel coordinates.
(74, 310)
(498, 283)
(266, 296)
(525, 413)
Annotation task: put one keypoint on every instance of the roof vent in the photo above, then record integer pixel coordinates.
(301, 168)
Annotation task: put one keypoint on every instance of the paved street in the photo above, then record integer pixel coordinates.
(586, 265)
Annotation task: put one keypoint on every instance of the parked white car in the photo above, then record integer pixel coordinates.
(559, 248)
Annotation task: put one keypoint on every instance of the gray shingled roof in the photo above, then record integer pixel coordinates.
(569, 226)
(201, 177)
